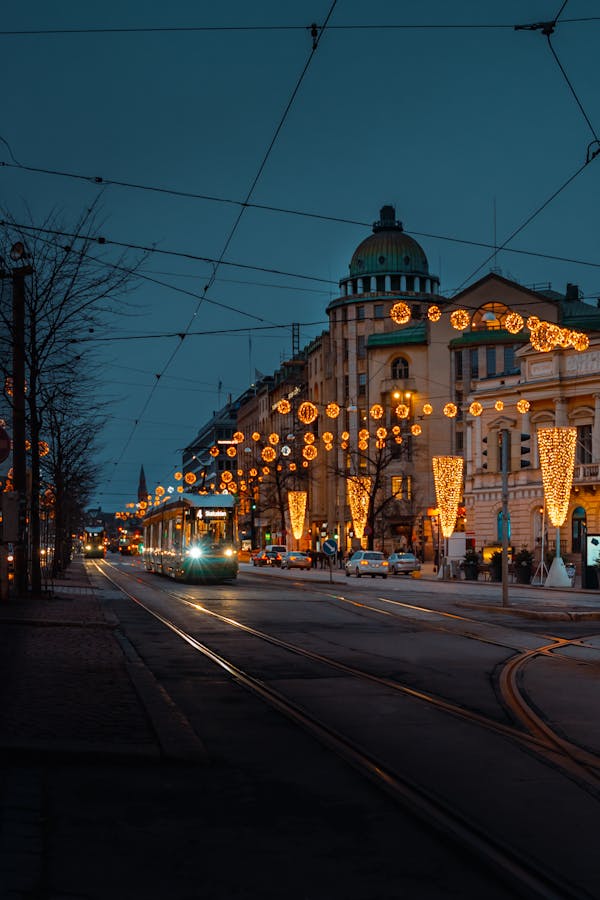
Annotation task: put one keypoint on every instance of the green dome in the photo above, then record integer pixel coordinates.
(388, 250)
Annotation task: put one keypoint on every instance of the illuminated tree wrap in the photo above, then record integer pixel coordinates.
(557, 459)
(297, 507)
(359, 493)
(448, 475)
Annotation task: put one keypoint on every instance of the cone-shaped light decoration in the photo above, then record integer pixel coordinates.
(557, 459)
(297, 507)
(359, 492)
(447, 475)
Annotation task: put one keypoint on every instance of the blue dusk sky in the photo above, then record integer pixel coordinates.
(464, 124)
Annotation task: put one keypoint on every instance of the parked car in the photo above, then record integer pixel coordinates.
(267, 558)
(403, 563)
(296, 559)
(367, 562)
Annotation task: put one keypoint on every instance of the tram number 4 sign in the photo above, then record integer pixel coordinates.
(330, 547)
(4, 445)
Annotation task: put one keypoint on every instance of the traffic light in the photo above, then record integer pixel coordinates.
(525, 450)
(484, 452)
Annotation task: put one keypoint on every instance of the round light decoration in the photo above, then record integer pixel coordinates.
(450, 410)
(293, 467)
(499, 405)
(226, 476)
(475, 408)
(427, 409)
(416, 430)
(381, 434)
(284, 407)
(579, 341)
(329, 446)
(460, 319)
(189, 478)
(544, 338)
(232, 487)
(285, 450)
(523, 406)
(434, 313)
(447, 475)
(178, 476)
(359, 493)
(564, 338)
(268, 454)
(363, 445)
(557, 459)
(332, 410)
(376, 411)
(274, 438)
(327, 437)
(344, 445)
(253, 473)
(180, 489)
(532, 322)
(44, 448)
(514, 322)
(214, 451)
(345, 436)
(265, 470)
(309, 438)
(305, 464)
(400, 313)
(238, 437)
(255, 436)
(307, 412)
(396, 430)
(380, 444)
(160, 491)
(402, 411)
(297, 507)
(364, 434)
(399, 439)
(231, 452)
(309, 452)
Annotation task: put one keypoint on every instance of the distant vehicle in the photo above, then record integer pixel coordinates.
(367, 562)
(276, 548)
(93, 542)
(267, 558)
(403, 563)
(295, 559)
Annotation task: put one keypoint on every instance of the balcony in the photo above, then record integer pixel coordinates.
(586, 474)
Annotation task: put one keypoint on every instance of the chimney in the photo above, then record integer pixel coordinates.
(572, 292)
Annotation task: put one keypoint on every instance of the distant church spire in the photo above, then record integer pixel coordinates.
(142, 489)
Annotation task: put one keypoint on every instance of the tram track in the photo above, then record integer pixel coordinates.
(522, 874)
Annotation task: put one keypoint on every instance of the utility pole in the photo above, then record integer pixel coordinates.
(504, 453)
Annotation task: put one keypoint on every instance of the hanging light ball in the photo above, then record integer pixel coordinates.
(345, 435)
(332, 410)
(564, 338)
(285, 450)
(177, 476)
(381, 434)
(309, 438)
(274, 438)
(532, 322)
(305, 464)
(226, 476)
(214, 451)
(499, 405)
(255, 436)
(400, 313)
(476, 408)
(380, 444)
(253, 473)
(238, 437)
(170, 489)
(231, 452)
(523, 405)
(460, 319)
(399, 439)
(232, 487)
(189, 478)
(344, 445)
(160, 491)
(329, 446)
(450, 410)
(268, 454)
(434, 313)
(307, 412)
(514, 322)
(363, 445)
(293, 467)
(402, 411)
(43, 448)
(427, 409)
(309, 452)
(416, 429)
(265, 469)
(396, 429)
(544, 337)
(364, 434)
(579, 341)
(284, 407)
(376, 411)
(180, 489)
(327, 437)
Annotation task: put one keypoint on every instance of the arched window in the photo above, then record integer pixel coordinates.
(400, 368)
(489, 317)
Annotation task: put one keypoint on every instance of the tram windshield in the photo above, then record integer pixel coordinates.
(209, 526)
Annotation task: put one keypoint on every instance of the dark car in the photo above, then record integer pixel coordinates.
(403, 563)
(267, 558)
(296, 559)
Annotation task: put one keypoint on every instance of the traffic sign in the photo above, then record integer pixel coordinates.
(4, 445)
(330, 547)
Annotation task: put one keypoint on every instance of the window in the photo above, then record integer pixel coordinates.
(401, 487)
(458, 365)
(489, 317)
(583, 450)
(344, 313)
(400, 368)
(460, 441)
(361, 346)
(490, 361)
(362, 384)
(378, 310)
(345, 348)
(397, 486)
(360, 313)
(380, 283)
(474, 362)
(509, 360)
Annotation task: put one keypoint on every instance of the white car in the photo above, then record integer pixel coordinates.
(367, 562)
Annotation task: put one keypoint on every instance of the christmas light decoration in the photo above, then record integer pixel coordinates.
(345, 436)
(564, 338)
(231, 452)
(579, 341)
(266, 471)
(499, 405)
(285, 450)
(514, 322)
(364, 434)
(297, 507)
(327, 437)
(447, 476)
(268, 454)
(556, 447)
(434, 313)
(253, 473)
(332, 410)
(226, 477)
(309, 452)
(363, 445)
(232, 487)
(177, 476)
(293, 467)
(416, 430)
(402, 411)
(44, 448)
(380, 444)
(238, 437)
(376, 411)
(460, 319)
(328, 446)
(274, 438)
(307, 412)
(398, 438)
(284, 407)
(255, 436)
(358, 489)
(427, 409)
(381, 434)
(180, 489)
(396, 430)
(475, 408)
(532, 322)
(160, 490)
(545, 337)
(450, 410)
(400, 313)
(523, 405)
(344, 445)
(309, 438)
(189, 478)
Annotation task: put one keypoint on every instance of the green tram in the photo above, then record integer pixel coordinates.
(193, 537)
(93, 542)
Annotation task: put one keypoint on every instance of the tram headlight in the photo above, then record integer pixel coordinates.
(194, 552)
(229, 552)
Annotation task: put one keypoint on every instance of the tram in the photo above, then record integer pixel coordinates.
(93, 542)
(193, 537)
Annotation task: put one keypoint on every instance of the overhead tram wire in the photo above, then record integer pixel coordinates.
(316, 34)
(284, 326)
(107, 182)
